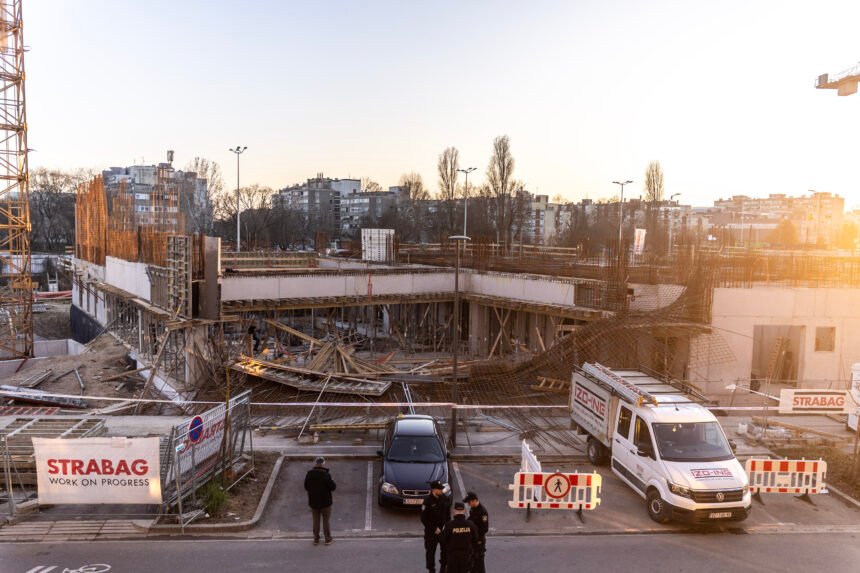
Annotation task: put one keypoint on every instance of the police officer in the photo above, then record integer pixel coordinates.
(479, 516)
(459, 539)
(435, 512)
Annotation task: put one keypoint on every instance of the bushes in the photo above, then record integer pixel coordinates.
(214, 498)
(840, 466)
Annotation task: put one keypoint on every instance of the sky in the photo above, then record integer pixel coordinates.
(721, 93)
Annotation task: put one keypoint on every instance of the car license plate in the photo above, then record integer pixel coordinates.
(720, 515)
(413, 501)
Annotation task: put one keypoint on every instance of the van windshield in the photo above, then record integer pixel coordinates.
(693, 442)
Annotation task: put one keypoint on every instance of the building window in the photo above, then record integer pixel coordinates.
(825, 339)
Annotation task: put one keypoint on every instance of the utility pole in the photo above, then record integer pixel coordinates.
(466, 196)
(621, 210)
(238, 151)
(455, 381)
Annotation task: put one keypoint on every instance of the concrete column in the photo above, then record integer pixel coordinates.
(478, 331)
(386, 321)
(195, 337)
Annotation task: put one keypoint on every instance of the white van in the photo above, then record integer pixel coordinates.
(670, 449)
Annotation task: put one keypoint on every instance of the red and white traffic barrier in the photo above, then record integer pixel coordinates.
(802, 477)
(556, 490)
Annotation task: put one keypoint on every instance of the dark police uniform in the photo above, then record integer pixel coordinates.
(479, 516)
(459, 539)
(435, 512)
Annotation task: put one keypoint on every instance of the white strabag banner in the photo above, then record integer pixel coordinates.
(639, 242)
(98, 470)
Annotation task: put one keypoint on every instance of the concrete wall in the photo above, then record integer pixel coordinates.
(85, 299)
(130, 277)
(736, 312)
(63, 347)
(353, 284)
(528, 288)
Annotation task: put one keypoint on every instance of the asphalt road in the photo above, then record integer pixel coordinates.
(832, 552)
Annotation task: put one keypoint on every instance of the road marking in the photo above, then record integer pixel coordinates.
(368, 506)
(459, 478)
(42, 569)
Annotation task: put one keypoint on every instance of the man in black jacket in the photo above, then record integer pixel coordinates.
(435, 512)
(459, 539)
(479, 516)
(319, 485)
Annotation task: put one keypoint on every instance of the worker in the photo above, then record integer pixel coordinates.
(435, 512)
(479, 516)
(252, 330)
(459, 540)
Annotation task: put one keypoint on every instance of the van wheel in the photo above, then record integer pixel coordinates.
(595, 452)
(658, 510)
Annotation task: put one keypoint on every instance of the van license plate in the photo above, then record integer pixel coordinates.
(720, 515)
(418, 502)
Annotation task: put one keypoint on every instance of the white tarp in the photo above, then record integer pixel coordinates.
(377, 245)
(98, 471)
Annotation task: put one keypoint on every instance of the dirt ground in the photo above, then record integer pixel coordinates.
(105, 358)
(243, 499)
(53, 323)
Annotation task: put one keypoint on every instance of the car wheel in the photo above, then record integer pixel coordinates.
(658, 510)
(595, 450)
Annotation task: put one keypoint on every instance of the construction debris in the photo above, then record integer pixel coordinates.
(33, 396)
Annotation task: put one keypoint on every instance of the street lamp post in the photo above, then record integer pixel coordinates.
(621, 210)
(238, 151)
(455, 380)
(466, 196)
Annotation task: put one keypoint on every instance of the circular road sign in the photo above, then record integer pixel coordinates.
(195, 429)
(557, 485)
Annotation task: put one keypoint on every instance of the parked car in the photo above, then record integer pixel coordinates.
(413, 456)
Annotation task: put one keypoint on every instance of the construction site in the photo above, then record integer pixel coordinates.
(176, 387)
(330, 343)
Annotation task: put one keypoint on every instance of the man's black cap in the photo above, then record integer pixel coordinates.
(470, 497)
(458, 505)
(436, 485)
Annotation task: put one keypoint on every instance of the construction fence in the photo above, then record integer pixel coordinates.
(216, 443)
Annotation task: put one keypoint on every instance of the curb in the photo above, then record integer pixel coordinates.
(150, 527)
(843, 496)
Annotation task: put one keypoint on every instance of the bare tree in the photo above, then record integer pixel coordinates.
(653, 185)
(201, 211)
(449, 163)
(257, 213)
(52, 207)
(654, 191)
(412, 194)
(500, 179)
(369, 185)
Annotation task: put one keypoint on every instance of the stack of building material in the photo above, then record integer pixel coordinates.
(33, 396)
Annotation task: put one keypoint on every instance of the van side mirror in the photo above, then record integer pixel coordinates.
(380, 453)
(645, 451)
(733, 445)
(447, 454)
